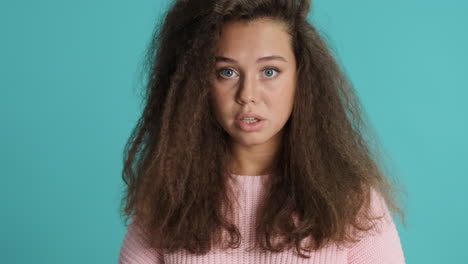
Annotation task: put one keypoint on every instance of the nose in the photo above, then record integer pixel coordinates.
(248, 91)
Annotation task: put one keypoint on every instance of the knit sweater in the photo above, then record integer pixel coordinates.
(376, 248)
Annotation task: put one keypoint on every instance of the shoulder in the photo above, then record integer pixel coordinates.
(134, 249)
(381, 244)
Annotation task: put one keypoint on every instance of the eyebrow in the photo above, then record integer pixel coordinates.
(267, 58)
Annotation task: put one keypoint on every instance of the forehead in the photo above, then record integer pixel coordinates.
(252, 39)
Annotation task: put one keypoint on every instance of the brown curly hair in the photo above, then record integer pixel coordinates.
(175, 159)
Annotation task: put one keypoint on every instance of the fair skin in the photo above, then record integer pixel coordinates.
(243, 83)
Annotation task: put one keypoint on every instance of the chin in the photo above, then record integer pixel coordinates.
(250, 140)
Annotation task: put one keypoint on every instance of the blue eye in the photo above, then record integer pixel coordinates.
(270, 72)
(227, 70)
(228, 73)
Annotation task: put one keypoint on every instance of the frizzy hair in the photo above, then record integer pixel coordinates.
(175, 160)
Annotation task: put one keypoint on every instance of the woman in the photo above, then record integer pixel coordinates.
(250, 147)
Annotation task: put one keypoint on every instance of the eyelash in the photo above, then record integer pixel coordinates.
(269, 68)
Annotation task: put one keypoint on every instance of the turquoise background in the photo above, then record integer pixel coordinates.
(70, 95)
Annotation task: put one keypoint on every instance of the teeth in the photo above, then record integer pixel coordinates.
(250, 120)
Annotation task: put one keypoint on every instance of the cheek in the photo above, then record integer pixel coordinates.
(219, 105)
(283, 100)
(289, 90)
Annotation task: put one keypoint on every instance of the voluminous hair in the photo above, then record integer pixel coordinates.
(175, 161)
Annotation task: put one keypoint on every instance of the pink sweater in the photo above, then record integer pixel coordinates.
(385, 247)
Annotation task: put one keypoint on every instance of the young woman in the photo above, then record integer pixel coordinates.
(251, 146)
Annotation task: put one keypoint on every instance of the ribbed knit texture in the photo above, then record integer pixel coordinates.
(377, 248)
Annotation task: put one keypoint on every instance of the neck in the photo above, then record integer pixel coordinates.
(252, 160)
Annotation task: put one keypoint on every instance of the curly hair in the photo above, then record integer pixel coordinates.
(175, 160)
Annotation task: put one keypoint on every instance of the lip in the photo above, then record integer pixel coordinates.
(249, 127)
(246, 115)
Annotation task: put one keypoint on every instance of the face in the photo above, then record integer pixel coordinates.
(255, 73)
